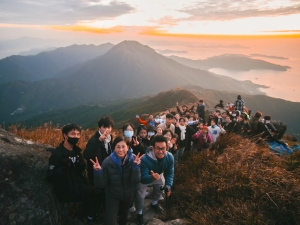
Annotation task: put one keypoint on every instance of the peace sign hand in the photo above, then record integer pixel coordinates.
(138, 158)
(96, 164)
(104, 136)
(135, 141)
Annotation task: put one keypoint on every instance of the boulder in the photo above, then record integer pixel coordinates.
(26, 197)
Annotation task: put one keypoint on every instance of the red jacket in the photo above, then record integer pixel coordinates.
(199, 136)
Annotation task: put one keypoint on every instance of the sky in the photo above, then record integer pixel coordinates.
(195, 29)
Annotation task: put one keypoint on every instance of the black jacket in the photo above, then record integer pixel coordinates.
(95, 148)
(228, 127)
(65, 172)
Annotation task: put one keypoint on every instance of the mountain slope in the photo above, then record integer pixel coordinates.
(128, 70)
(230, 62)
(47, 64)
(126, 109)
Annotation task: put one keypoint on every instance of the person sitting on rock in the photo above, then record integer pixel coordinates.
(66, 173)
(156, 163)
(254, 123)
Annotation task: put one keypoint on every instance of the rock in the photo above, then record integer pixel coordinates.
(172, 222)
(26, 197)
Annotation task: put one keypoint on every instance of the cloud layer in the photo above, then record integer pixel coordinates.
(58, 12)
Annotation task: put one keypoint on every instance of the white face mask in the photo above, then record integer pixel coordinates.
(150, 133)
(233, 114)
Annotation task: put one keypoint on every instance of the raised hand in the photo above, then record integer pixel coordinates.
(135, 141)
(138, 158)
(155, 176)
(104, 136)
(96, 164)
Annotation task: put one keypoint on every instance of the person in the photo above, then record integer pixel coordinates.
(184, 111)
(168, 124)
(156, 162)
(119, 174)
(174, 142)
(201, 109)
(220, 105)
(243, 126)
(167, 133)
(164, 114)
(254, 123)
(203, 138)
(215, 130)
(135, 142)
(158, 131)
(181, 131)
(66, 173)
(99, 145)
(239, 104)
(228, 125)
(148, 122)
(269, 131)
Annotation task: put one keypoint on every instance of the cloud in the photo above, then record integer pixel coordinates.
(88, 29)
(232, 9)
(169, 51)
(234, 46)
(57, 12)
(268, 56)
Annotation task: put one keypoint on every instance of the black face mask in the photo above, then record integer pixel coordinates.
(72, 141)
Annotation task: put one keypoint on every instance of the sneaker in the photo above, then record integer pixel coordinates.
(140, 220)
(132, 209)
(157, 207)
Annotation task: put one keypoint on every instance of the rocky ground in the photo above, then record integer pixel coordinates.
(25, 196)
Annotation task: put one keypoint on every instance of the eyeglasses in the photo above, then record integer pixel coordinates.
(160, 149)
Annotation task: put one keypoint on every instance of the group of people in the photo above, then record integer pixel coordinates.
(119, 169)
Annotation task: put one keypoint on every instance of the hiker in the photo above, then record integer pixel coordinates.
(215, 130)
(184, 111)
(66, 173)
(228, 125)
(168, 124)
(269, 131)
(203, 138)
(243, 125)
(254, 123)
(181, 131)
(148, 122)
(164, 114)
(158, 131)
(239, 104)
(167, 133)
(99, 145)
(156, 162)
(220, 105)
(135, 142)
(119, 174)
(201, 109)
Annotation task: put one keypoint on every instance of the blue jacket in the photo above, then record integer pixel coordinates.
(119, 181)
(165, 166)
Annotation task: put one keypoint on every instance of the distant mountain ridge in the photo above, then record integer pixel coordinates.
(125, 110)
(47, 64)
(230, 62)
(127, 70)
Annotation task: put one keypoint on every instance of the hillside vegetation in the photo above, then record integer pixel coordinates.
(236, 182)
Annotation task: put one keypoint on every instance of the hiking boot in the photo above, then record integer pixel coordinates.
(140, 220)
(157, 207)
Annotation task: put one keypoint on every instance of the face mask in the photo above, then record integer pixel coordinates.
(151, 134)
(128, 133)
(72, 141)
(233, 114)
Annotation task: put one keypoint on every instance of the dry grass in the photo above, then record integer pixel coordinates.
(49, 134)
(242, 183)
